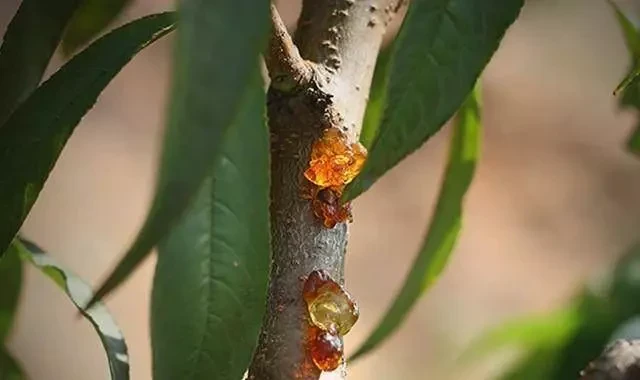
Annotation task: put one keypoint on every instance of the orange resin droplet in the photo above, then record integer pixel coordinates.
(334, 163)
(327, 208)
(326, 349)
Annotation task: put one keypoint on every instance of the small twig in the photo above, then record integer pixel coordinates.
(619, 361)
(287, 69)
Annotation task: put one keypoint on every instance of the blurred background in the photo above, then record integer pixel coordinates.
(556, 200)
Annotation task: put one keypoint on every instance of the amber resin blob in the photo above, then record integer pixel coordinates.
(332, 314)
(333, 164)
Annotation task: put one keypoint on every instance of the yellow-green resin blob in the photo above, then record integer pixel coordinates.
(331, 311)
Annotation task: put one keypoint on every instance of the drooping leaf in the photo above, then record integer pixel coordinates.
(33, 137)
(217, 48)
(10, 285)
(375, 105)
(445, 224)
(441, 49)
(79, 293)
(28, 44)
(9, 367)
(91, 18)
(210, 284)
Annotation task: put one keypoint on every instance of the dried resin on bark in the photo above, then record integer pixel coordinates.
(325, 348)
(334, 162)
(327, 208)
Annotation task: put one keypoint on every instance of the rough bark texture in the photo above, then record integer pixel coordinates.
(619, 361)
(339, 41)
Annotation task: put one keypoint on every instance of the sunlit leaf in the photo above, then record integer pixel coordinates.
(209, 290)
(79, 293)
(91, 18)
(445, 224)
(440, 51)
(375, 105)
(33, 137)
(217, 47)
(28, 44)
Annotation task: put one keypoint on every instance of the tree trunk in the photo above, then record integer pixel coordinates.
(325, 85)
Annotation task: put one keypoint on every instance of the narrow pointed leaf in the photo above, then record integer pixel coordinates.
(632, 40)
(28, 44)
(218, 45)
(444, 228)
(9, 367)
(91, 18)
(10, 285)
(34, 135)
(210, 285)
(79, 293)
(440, 51)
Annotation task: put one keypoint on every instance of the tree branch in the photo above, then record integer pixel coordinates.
(619, 361)
(286, 67)
(340, 40)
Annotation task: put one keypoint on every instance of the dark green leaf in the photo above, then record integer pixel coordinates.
(375, 105)
(9, 367)
(79, 293)
(30, 40)
(10, 285)
(445, 224)
(210, 285)
(34, 135)
(217, 48)
(91, 18)
(634, 141)
(439, 53)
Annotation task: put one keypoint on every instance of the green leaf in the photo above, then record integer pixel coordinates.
(210, 284)
(632, 40)
(633, 143)
(529, 332)
(445, 224)
(34, 135)
(9, 367)
(217, 47)
(375, 105)
(30, 40)
(79, 293)
(10, 285)
(439, 53)
(91, 18)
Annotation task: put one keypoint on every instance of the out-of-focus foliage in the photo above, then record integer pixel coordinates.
(218, 45)
(34, 135)
(91, 18)
(581, 332)
(630, 85)
(445, 223)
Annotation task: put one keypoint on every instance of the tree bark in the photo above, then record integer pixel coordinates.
(324, 85)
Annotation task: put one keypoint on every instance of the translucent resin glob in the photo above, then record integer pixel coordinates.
(332, 313)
